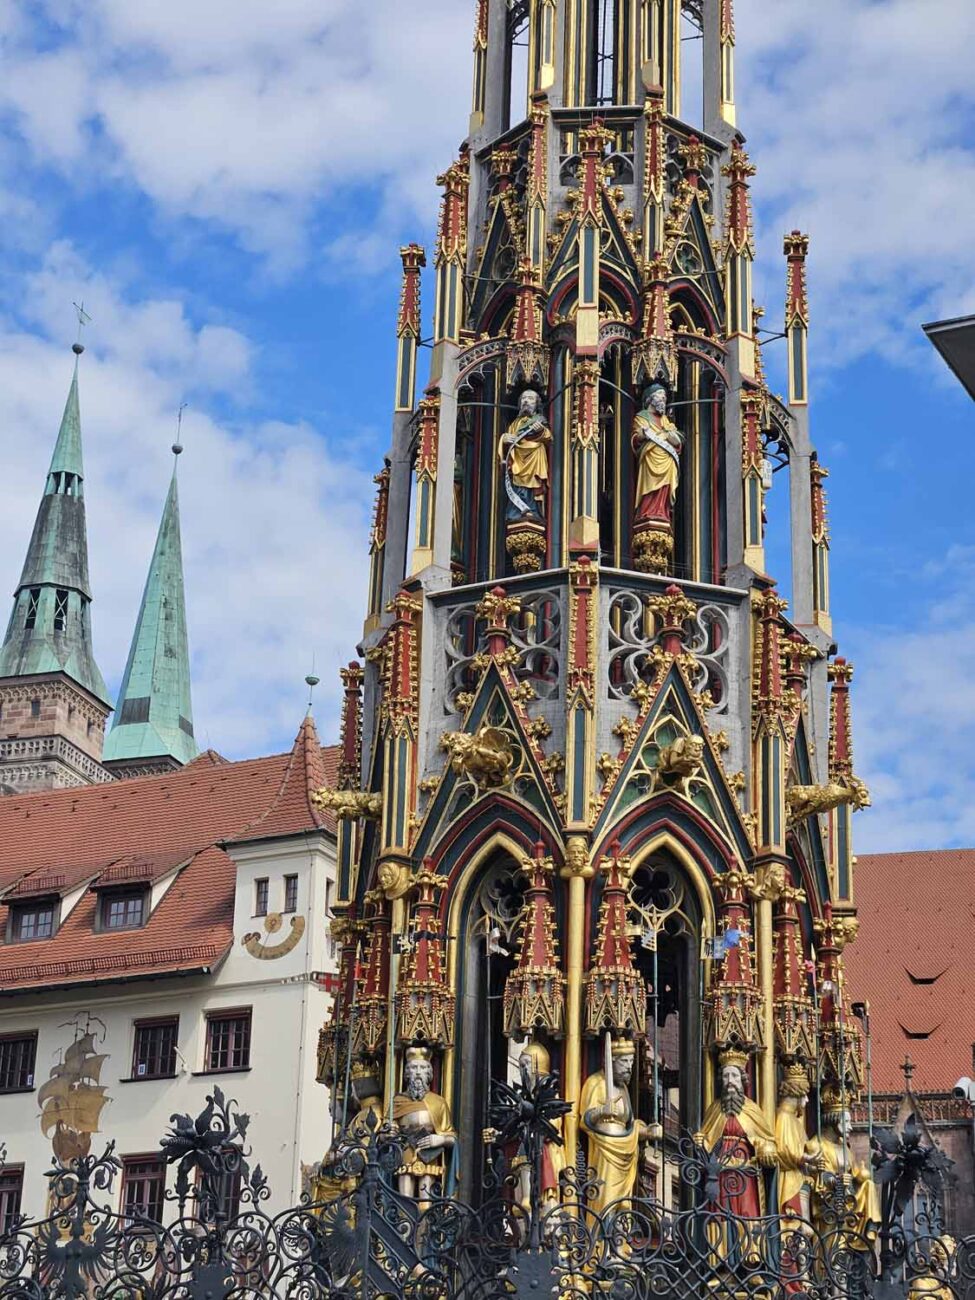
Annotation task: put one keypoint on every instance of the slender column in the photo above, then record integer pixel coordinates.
(426, 481)
(377, 551)
(770, 880)
(841, 770)
(820, 546)
(577, 871)
(752, 477)
(739, 258)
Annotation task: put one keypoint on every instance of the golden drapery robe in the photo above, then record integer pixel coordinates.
(415, 1120)
(528, 461)
(838, 1161)
(794, 1148)
(615, 1157)
(658, 472)
(745, 1138)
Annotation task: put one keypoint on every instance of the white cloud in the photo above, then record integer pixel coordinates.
(274, 520)
(859, 114)
(247, 115)
(914, 698)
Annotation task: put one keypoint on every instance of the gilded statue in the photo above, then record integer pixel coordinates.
(657, 444)
(799, 1163)
(534, 1061)
(736, 1129)
(805, 800)
(845, 1196)
(681, 760)
(347, 805)
(426, 1129)
(486, 756)
(613, 1131)
(524, 454)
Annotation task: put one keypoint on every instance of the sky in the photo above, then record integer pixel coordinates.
(226, 183)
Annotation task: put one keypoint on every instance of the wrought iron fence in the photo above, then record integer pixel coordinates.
(366, 1241)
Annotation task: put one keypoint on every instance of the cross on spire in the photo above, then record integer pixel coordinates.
(83, 320)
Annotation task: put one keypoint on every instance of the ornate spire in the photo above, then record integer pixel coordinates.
(350, 735)
(369, 1032)
(796, 249)
(424, 1003)
(769, 608)
(408, 326)
(534, 995)
(840, 1042)
(50, 626)
(154, 714)
(616, 996)
(733, 1015)
(452, 251)
(655, 356)
(739, 247)
(820, 544)
(794, 1014)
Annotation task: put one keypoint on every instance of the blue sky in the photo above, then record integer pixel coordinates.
(226, 183)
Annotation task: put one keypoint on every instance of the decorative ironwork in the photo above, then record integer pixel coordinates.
(368, 1241)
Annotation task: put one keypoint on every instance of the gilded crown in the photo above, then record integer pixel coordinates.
(733, 1056)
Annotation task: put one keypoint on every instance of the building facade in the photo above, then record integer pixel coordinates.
(165, 936)
(605, 798)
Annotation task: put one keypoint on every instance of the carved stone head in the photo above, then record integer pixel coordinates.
(656, 399)
(529, 403)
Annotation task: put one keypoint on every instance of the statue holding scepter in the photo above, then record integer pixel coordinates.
(524, 454)
(657, 444)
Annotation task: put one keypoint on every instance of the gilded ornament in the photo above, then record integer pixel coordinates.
(809, 800)
(394, 879)
(678, 762)
(486, 757)
(349, 805)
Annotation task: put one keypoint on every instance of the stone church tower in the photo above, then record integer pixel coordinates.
(596, 780)
(53, 700)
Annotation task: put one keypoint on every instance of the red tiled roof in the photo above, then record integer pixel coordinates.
(143, 829)
(913, 962)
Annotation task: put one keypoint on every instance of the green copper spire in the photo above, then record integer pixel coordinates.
(50, 626)
(154, 716)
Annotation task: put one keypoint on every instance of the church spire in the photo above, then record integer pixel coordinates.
(153, 723)
(50, 627)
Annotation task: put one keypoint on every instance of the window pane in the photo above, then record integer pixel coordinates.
(291, 893)
(229, 1042)
(143, 1188)
(123, 911)
(17, 1062)
(155, 1050)
(260, 898)
(33, 922)
(11, 1190)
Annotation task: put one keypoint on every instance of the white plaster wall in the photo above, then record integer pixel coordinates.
(289, 1125)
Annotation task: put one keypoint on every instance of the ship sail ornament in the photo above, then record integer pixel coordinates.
(73, 1098)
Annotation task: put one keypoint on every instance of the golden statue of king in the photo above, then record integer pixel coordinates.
(613, 1131)
(846, 1198)
(657, 444)
(524, 453)
(426, 1128)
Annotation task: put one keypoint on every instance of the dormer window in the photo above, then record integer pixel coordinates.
(124, 909)
(30, 921)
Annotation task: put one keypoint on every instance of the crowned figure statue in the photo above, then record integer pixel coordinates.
(524, 454)
(845, 1200)
(657, 444)
(799, 1162)
(613, 1131)
(735, 1128)
(426, 1129)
